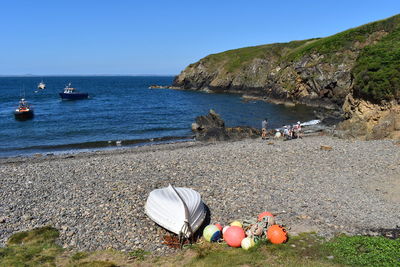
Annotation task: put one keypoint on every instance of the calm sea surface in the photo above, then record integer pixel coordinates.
(119, 108)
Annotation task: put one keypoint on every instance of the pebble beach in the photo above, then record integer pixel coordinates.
(96, 199)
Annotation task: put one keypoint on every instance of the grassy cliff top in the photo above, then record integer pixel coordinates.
(376, 72)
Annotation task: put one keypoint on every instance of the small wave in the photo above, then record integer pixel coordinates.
(312, 122)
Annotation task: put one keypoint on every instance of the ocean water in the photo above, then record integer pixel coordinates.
(120, 108)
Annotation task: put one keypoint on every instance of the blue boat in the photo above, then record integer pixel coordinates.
(70, 93)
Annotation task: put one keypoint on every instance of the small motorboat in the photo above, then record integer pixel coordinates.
(41, 85)
(71, 93)
(179, 210)
(24, 111)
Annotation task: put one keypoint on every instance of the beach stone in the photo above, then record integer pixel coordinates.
(97, 199)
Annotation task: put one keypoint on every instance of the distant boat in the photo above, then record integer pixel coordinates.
(70, 93)
(41, 85)
(24, 111)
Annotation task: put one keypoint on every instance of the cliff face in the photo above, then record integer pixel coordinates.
(320, 72)
(308, 80)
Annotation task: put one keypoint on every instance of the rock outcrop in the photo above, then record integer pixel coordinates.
(212, 128)
(316, 72)
(370, 121)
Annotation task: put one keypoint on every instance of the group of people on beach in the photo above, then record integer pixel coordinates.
(287, 131)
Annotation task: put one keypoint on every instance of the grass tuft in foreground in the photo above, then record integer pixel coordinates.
(365, 250)
(38, 248)
(31, 248)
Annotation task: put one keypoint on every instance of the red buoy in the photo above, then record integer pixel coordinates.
(234, 235)
(262, 215)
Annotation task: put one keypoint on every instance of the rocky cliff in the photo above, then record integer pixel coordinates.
(360, 65)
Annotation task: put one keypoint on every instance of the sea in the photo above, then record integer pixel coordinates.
(121, 111)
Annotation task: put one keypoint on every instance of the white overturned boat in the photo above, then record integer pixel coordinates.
(178, 209)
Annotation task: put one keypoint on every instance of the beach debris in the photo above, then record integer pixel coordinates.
(224, 229)
(234, 235)
(277, 234)
(211, 233)
(247, 243)
(219, 226)
(236, 223)
(326, 148)
(173, 241)
(264, 214)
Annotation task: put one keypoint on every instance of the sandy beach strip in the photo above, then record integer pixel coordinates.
(97, 199)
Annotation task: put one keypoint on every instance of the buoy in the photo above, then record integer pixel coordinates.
(263, 214)
(277, 234)
(234, 235)
(224, 229)
(236, 223)
(211, 233)
(247, 243)
(219, 226)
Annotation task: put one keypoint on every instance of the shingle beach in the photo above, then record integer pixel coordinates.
(96, 199)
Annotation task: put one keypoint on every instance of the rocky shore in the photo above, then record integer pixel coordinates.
(97, 199)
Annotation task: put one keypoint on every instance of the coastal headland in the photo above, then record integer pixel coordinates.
(355, 72)
(97, 199)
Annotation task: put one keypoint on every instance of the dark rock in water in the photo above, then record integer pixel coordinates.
(212, 128)
(212, 120)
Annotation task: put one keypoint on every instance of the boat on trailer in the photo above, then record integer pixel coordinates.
(177, 209)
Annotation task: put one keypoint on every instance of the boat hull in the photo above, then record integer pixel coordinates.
(25, 115)
(74, 96)
(171, 207)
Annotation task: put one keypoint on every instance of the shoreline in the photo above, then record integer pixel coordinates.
(96, 199)
(87, 147)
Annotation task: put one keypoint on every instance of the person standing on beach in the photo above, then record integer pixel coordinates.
(264, 125)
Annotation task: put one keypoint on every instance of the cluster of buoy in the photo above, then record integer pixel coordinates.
(247, 233)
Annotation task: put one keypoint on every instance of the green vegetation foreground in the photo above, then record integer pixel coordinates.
(38, 248)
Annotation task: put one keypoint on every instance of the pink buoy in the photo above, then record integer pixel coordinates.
(224, 229)
(234, 235)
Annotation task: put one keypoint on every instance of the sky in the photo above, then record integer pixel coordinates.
(128, 37)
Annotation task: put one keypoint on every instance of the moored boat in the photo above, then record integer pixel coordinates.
(41, 85)
(71, 93)
(179, 210)
(24, 111)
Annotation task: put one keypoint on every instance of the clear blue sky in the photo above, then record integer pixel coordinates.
(45, 37)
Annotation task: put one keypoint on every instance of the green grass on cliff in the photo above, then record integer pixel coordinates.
(377, 68)
(345, 40)
(234, 60)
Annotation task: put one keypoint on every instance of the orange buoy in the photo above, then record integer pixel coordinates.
(234, 235)
(262, 215)
(277, 234)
